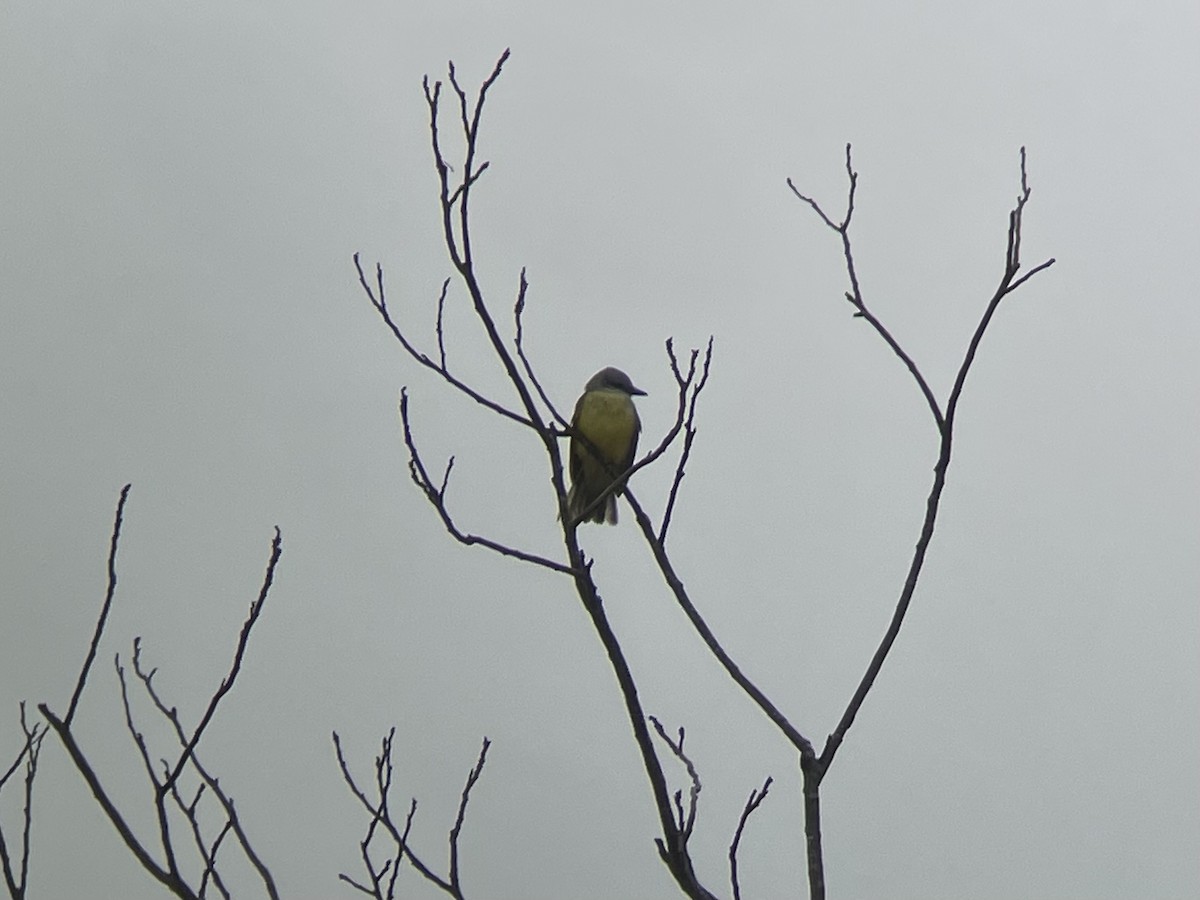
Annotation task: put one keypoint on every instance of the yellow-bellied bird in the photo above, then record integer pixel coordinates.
(606, 426)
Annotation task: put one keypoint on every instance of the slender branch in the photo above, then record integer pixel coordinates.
(672, 847)
(160, 806)
(686, 822)
(236, 666)
(171, 714)
(108, 599)
(755, 800)
(689, 436)
(436, 495)
(440, 326)
(459, 245)
(169, 880)
(518, 313)
(378, 300)
(25, 749)
(1007, 285)
(381, 815)
(207, 852)
(62, 727)
(685, 603)
(472, 779)
(683, 383)
(855, 295)
(167, 874)
(18, 881)
(210, 859)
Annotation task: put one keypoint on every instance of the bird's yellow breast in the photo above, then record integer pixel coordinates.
(608, 419)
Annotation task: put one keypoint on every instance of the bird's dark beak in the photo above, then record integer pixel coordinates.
(637, 392)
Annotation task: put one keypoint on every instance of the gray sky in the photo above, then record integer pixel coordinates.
(181, 189)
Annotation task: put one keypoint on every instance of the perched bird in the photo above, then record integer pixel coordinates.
(605, 427)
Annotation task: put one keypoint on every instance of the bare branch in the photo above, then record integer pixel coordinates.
(441, 333)
(378, 300)
(108, 599)
(171, 714)
(169, 880)
(683, 383)
(236, 666)
(167, 874)
(470, 126)
(62, 727)
(685, 603)
(381, 816)
(139, 740)
(672, 846)
(458, 244)
(207, 852)
(518, 311)
(436, 495)
(752, 803)
(472, 779)
(18, 881)
(455, 201)
(686, 822)
(855, 294)
(689, 436)
(1008, 283)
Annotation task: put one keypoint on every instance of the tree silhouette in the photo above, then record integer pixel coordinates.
(196, 819)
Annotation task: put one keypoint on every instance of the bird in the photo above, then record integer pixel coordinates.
(604, 439)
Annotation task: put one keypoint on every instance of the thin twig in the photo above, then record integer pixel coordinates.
(687, 822)
(1007, 285)
(439, 327)
(689, 436)
(436, 495)
(235, 667)
(472, 779)
(855, 294)
(675, 583)
(30, 751)
(459, 245)
(108, 599)
(168, 874)
(171, 714)
(379, 812)
(139, 740)
(378, 300)
(518, 313)
(752, 803)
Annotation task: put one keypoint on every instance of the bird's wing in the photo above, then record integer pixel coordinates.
(575, 457)
(632, 454)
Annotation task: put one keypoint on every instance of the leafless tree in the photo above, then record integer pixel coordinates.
(181, 828)
(196, 823)
(534, 410)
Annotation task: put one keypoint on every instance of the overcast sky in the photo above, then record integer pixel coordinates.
(182, 186)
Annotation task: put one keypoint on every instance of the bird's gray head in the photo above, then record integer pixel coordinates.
(614, 380)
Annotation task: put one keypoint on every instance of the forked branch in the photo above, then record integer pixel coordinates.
(1008, 283)
(16, 872)
(382, 875)
(168, 801)
(814, 767)
(753, 802)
